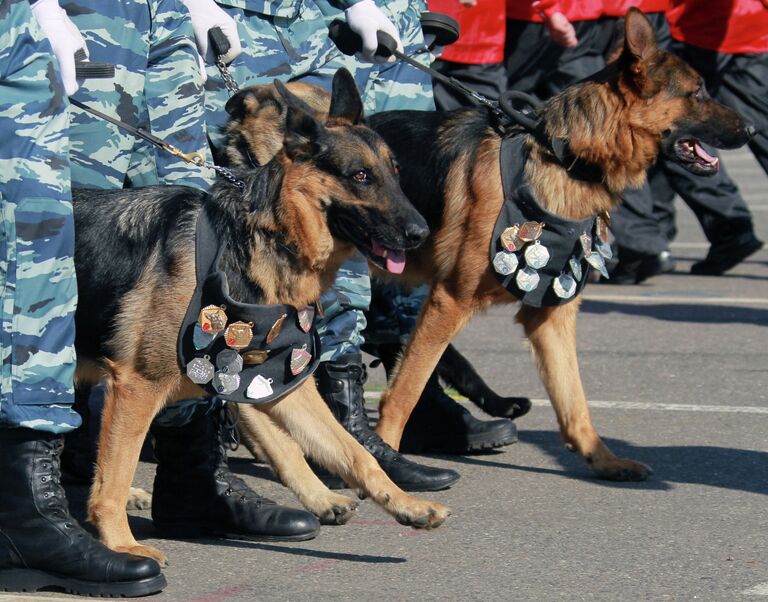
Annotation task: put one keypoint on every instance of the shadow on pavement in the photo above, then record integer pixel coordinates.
(723, 467)
(706, 314)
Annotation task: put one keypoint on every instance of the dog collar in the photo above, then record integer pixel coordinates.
(242, 352)
(539, 257)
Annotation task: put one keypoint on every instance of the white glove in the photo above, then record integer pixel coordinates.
(207, 15)
(365, 19)
(65, 39)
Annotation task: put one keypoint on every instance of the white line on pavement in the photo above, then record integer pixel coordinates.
(761, 589)
(677, 300)
(666, 407)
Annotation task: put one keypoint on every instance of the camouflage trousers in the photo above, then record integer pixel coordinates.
(37, 275)
(157, 86)
(289, 41)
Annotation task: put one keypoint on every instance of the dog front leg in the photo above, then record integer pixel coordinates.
(262, 435)
(130, 403)
(441, 318)
(552, 332)
(305, 416)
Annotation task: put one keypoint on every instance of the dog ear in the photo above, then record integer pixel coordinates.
(345, 99)
(302, 132)
(291, 100)
(243, 101)
(639, 35)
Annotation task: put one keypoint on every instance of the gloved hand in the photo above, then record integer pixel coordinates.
(206, 15)
(365, 19)
(65, 39)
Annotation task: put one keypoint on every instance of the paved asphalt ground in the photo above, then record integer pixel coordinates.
(677, 374)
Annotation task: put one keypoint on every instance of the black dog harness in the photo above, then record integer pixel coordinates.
(539, 257)
(239, 351)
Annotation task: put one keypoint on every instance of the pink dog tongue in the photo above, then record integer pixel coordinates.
(395, 260)
(702, 154)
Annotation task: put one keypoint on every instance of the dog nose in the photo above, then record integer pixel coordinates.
(415, 234)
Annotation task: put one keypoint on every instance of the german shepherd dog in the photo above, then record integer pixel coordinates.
(645, 102)
(332, 188)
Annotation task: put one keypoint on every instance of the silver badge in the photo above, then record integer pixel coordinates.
(564, 286)
(259, 388)
(586, 244)
(527, 279)
(575, 268)
(505, 263)
(200, 370)
(596, 261)
(536, 255)
(224, 384)
(229, 361)
(200, 338)
(604, 249)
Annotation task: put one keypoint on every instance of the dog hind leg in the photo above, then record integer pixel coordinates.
(130, 404)
(274, 445)
(305, 416)
(552, 332)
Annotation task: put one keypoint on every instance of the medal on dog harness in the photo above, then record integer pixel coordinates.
(539, 257)
(250, 366)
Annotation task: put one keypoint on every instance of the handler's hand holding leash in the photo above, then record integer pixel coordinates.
(367, 21)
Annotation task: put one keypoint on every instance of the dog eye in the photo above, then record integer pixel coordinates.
(360, 175)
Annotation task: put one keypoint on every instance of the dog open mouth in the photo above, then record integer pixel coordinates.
(377, 251)
(694, 158)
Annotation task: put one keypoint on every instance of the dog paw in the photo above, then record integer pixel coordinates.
(619, 469)
(335, 509)
(146, 551)
(138, 499)
(423, 515)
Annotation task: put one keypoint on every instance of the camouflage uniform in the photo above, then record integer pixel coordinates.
(288, 40)
(37, 275)
(157, 86)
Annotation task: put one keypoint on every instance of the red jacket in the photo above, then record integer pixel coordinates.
(575, 10)
(619, 8)
(728, 26)
(482, 31)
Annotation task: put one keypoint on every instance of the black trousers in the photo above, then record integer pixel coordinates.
(489, 80)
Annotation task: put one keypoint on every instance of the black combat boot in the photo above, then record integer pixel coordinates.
(732, 242)
(341, 385)
(196, 495)
(440, 424)
(41, 545)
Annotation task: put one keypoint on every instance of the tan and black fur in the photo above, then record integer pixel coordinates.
(645, 102)
(331, 188)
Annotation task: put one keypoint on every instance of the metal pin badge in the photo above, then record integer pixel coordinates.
(200, 370)
(564, 286)
(505, 263)
(200, 338)
(527, 279)
(601, 229)
(238, 335)
(229, 361)
(276, 328)
(300, 359)
(586, 244)
(604, 249)
(224, 384)
(259, 387)
(575, 268)
(306, 316)
(255, 357)
(536, 255)
(212, 318)
(510, 239)
(596, 261)
(531, 231)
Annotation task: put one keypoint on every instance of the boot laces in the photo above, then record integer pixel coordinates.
(53, 491)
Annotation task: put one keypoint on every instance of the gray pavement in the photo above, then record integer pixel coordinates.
(677, 372)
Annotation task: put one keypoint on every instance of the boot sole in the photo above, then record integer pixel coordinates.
(332, 482)
(478, 443)
(197, 532)
(30, 580)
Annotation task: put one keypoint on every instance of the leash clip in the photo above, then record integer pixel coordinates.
(194, 157)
